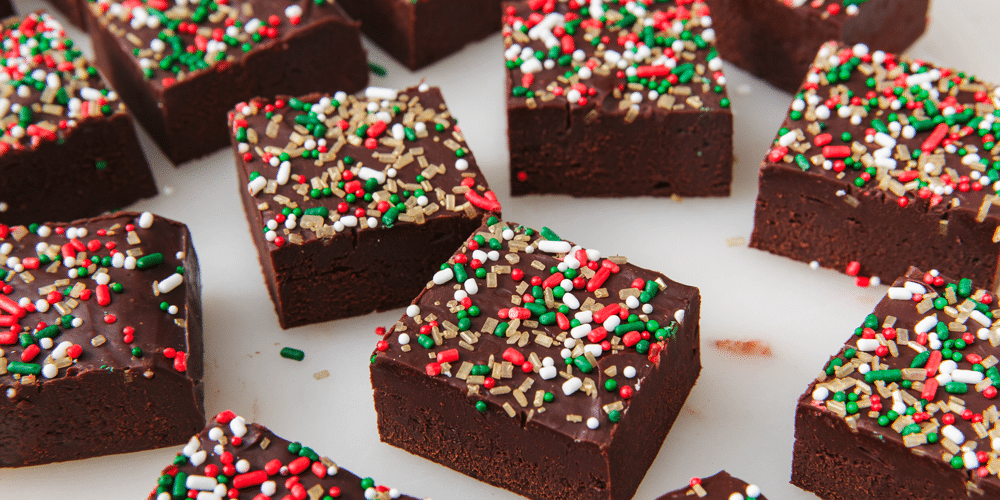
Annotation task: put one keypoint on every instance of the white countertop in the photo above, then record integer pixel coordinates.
(738, 417)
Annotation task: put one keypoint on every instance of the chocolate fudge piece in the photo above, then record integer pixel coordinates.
(721, 486)
(182, 67)
(616, 101)
(879, 152)
(235, 459)
(101, 351)
(539, 366)
(6, 9)
(74, 10)
(68, 149)
(419, 32)
(906, 408)
(354, 201)
(777, 39)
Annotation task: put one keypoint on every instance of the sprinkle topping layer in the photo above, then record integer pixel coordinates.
(829, 8)
(535, 327)
(171, 39)
(321, 165)
(233, 459)
(925, 135)
(108, 294)
(630, 55)
(922, 371)
(46, 85)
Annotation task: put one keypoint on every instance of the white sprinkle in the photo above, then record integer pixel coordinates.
(629, 372)
(900, 293)
(170, 283)
(593, 423)
(821, 393)
(679, 316)
(146, 220)
(201, 483)
(572, 385)
(198, 458)
(554, 246)
(581, 331)
(548, 372)
(412, 310)
(926, 324)
(443, 276)
(951, 432)
(238, 426)
(380, 92)
(967, 376)
(49, 370)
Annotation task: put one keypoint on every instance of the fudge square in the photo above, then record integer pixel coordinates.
(608, 100)
(879, 152)
(721, 486)
(101, 351)
(554, 372)
(181, 66)
(421, 32)
(777, 39)
(906, 409)
(231, 458)
(68, 148)
(354, 201)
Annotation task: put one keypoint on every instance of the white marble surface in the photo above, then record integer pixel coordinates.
(739, 416)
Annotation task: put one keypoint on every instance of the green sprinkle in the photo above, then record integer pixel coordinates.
(292, 353)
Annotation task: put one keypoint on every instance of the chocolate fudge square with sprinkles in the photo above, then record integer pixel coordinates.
(721, 486)
(885, 162)
(778, 39)
(68, 148)
(609, 99)
(232, 458)
(420, 32)
(182, 65)
(546, 368)
(906, 409)
(102, 348)
(353, 201)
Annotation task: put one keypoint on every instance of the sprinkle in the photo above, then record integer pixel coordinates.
(292, 353)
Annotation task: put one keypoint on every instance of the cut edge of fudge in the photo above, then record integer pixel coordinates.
(420, 33)
(251, 457)
(99, 357)
(777, 42)
(305, 197)
(923, 172)
(69, 150)
(577, 112)
(890, 399)
(470, 344)
(720, 486)
(162, 99)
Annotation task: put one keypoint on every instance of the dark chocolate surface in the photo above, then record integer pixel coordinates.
(388, 166)
(721, 486)
(76, 327)
(68, 149)
(418, 33)
(582, 413)
(778, 39)
(254, 460)
(889, 382)
(180, 65)
(476, 356)
(887, 130)
(592, 96)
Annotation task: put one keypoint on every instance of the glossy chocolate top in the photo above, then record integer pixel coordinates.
(171, 39)
(537, 328)
(47, 87)
(926, 136)
(322, 165)
(254, 461)
(921, 372)
(721, 486)
(108, 293)
(600, 55)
